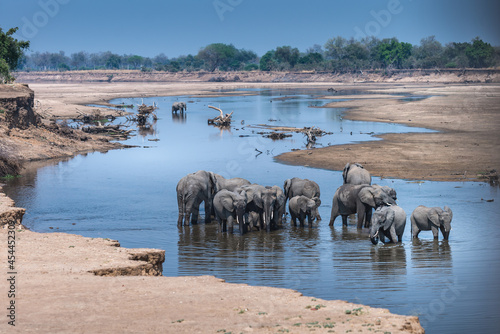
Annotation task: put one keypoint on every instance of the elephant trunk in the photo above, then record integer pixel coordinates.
(374, 236)
(241, 222)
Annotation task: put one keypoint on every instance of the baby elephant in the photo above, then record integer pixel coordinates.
(425, 219)
(302, 206)
(388, 221)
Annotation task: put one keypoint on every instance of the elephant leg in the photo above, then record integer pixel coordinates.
(302, 218)
(316, 214)
(344, 220)
(368, 217)
(208, 211)
(435, 232)
(334, 214)
(361, 212)
(394, 236)
(230, 223)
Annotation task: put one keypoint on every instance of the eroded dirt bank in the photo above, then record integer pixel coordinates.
(27, 136)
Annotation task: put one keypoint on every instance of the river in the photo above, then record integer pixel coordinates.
(129, 195)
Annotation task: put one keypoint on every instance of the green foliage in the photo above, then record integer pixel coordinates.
(479, 53)
(391, 52)
(268, 62)
(11, 52)
(225, 57)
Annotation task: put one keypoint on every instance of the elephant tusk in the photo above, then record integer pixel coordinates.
(376, 235)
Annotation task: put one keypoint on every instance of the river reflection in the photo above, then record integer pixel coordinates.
(103, 195)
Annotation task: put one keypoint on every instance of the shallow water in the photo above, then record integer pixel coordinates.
(129, 195)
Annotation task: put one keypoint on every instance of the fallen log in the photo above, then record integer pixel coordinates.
(221, 120)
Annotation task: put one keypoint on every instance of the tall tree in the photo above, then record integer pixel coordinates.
(11, 51)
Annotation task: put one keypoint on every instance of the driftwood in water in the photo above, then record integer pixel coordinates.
(110, 130)
(221, 120)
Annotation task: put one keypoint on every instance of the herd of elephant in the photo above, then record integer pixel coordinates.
(253, 206)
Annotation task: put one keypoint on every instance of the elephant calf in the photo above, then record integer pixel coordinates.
(229, 207)
(301, 207)
(388, 221)
(425, 219)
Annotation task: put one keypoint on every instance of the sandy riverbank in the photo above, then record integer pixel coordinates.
(58, 288)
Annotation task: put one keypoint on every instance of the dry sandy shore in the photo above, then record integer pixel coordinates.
(57, 289)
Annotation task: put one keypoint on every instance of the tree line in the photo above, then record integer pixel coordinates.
(338, 54)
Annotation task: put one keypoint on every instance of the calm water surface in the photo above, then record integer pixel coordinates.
(129, 195)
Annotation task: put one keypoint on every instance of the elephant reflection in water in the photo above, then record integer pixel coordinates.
(179, 118)
(389, 259)
(431, 254)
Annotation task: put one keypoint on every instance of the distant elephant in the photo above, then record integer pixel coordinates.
(297, 186)
(301, 207)
(229, 207)
(192, 190)
(388, 221)
(356, 174)
(359, 199)
(230, 184)
(179, 106)
(425, 219)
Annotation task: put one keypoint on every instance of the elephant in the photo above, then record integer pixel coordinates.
(297, 186)
(301, 207)
(356, 174)
(230, 184)
(192, 190)
(360, 199)
(179, 106)
(279, 207)
(425, 219)
(388, 221)
(262, 200)
(230, 206)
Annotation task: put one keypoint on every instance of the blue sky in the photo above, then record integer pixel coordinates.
(180, 27)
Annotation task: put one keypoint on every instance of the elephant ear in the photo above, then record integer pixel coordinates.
(366, 196)
(303, 203)
(447, 209)
(213, 182)
(433, 216)
(286, 187)
(389, 219)
(228, 203)
(257, 199)
(346, 171)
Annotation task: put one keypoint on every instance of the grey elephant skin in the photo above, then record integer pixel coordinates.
(230, 184)
(262, 200)
(302, 207)
(230, 207)
(433, 219)
(179, 106)
(297, 187)
(356, 174)
(388, 221)
(359, 199)
(192, 190)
